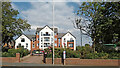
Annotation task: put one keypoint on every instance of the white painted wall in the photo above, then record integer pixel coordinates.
(17, 41)
(67, 37)
(43, 31)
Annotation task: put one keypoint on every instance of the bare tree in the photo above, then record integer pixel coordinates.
(85, 27)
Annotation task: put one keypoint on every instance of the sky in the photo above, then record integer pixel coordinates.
(39, 14)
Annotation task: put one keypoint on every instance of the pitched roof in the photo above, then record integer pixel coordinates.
(30, 36)
(39, 29)
(60, 35)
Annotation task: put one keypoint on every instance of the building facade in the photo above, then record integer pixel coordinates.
(44, 38)
(23, 41)
(67, 40)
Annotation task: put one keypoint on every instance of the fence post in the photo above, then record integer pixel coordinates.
(18, 57)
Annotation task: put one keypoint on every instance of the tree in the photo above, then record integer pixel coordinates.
(12, 25)
(104, 20)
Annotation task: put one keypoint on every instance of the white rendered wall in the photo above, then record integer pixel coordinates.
(44, 30)
(67, 37)
(17, 41)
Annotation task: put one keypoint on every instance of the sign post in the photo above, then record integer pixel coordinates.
(64, 56)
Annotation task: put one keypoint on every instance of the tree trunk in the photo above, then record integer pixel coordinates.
(94, 45)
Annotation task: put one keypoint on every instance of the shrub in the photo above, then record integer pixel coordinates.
(12, 52)
(84, 52)
(59, 53)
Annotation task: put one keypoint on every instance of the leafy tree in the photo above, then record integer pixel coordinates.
(103, 26)
(12, 25)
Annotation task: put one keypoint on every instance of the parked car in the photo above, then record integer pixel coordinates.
(37, 53)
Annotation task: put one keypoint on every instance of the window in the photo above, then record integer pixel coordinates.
(64, 40)
(26, 45)
(41, 39)
(23, 46)
(38, 44)
(55, 39)
(33, 40)
(19, 45)
(71, 40)
(41, 33)
(33, 45)
(59, 40)
(22, 40)
(46, 39)
(55, 44)
(55, 33)
(70, 45)
(46, 44)
(51, 33)
(59, 45)
(38, 38)
(51, 39)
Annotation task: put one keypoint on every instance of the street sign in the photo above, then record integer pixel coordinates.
(111, 45)
(64, 54)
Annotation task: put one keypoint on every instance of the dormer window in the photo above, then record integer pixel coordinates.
(22, 40)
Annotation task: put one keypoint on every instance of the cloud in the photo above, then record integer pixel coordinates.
(40, 14)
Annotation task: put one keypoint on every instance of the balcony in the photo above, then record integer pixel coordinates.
(70, 41)
(46, 34)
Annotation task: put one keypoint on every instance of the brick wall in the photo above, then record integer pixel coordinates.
(92, 62)
(85, 62)
(56, 61)
(11, 59)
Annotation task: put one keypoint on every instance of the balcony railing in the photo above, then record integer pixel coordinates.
(71, 41)
(46, 40)
(46, 34)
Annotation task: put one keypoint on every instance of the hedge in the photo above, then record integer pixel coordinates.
(83, 53)
(12, 52)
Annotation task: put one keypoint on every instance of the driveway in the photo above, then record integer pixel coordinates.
(33, 59)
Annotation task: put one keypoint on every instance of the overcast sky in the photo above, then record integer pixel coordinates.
(39, 14)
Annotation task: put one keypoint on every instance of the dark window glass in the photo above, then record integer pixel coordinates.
(26, 45)
(22, 40)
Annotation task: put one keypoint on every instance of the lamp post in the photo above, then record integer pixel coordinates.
(53, 30)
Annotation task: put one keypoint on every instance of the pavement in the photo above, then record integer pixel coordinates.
(28, 64)
(33, 59)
